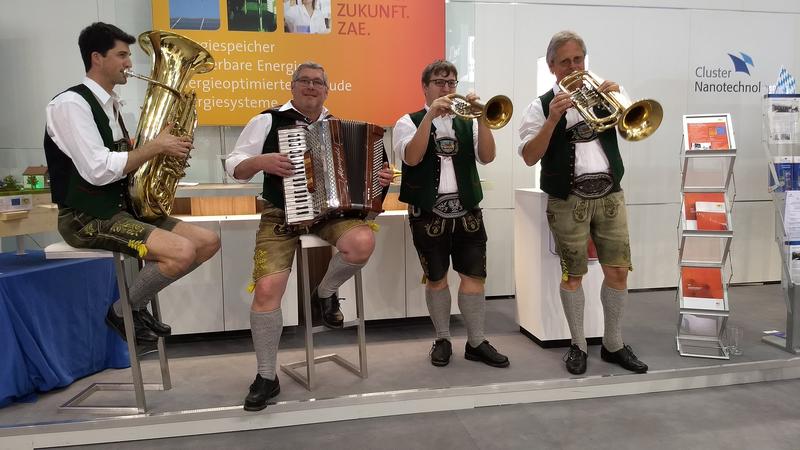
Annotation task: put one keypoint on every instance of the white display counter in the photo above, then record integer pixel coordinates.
(537, 272)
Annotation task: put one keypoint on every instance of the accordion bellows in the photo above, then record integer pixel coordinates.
(336, 165)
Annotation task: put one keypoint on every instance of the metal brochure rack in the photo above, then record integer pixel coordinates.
(781, 141)
(705, 232)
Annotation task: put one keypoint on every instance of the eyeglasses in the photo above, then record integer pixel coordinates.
(317, 83)
(441, 82)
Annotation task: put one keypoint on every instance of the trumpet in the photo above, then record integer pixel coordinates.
(496, 113)
(634, 120)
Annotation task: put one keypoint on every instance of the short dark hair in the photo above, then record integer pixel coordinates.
(100, 37)
(439, 67)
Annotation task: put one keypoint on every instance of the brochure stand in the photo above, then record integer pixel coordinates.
(781, 141)
(705, 232)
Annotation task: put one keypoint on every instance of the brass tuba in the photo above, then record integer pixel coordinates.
(175, 59)
(496, 113)
(634, 120)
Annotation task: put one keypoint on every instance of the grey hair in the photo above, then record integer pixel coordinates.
(309, 65)
(561, 38)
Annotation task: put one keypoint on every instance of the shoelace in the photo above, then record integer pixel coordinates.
(572, 354)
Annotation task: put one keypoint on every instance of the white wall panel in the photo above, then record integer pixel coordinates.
(494, 49)
(654, 245)
(660, 39)
(754, 253)
(715, 34)
(38, 41)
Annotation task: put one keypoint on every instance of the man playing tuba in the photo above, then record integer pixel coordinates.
(581, 172)
(89, 158)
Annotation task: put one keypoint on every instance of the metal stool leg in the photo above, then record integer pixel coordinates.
(138, 386)
(307, 381)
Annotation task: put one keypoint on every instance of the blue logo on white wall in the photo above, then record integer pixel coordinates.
(740, 64)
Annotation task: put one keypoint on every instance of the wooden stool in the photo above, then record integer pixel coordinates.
(125, 272)
(306, 242)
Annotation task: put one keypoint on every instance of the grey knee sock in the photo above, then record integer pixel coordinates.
(266, 328)
(473, 310)
(148, 283)
(141, 306)
(573, 303)
(613, 303)
(338, 272)
(439, 310)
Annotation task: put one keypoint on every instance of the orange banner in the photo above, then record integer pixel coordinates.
(373, 52)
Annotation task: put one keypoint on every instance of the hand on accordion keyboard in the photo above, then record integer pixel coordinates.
(277, 164)
(385, 175)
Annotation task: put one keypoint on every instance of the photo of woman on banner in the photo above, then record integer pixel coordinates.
(307, 16)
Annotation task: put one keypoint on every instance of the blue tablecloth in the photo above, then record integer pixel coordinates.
(52, 323)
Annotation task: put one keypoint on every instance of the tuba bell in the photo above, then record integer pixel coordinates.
(175, 60)
(634, 120)
(496, 113)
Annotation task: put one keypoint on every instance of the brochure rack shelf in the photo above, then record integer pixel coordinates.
(781, 141)
(705, 233)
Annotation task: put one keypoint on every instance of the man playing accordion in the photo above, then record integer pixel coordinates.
(257, 150)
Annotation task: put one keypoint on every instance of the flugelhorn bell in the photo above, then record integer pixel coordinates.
(634, 120)
(496, 113)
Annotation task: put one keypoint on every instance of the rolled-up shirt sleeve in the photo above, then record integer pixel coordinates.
(532, 121)
(71, 126)
(249, 144)
(402, 134)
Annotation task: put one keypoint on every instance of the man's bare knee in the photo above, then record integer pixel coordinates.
(267, 295)
(357, 245)
(437, 285)
(572, 283)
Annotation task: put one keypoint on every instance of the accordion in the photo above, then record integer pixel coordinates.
(336, 165)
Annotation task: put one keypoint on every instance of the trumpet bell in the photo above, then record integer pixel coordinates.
(496, 113)
(640, 120)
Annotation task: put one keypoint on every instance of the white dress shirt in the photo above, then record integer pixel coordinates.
(589, 156)
(404, 131)
(299, 21)
(251, 141)
(71, 126)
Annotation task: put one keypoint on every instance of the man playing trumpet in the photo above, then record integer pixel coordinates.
(441, 185)
(581, 173)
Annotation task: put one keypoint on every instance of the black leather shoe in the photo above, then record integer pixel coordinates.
(142, 332)
(260, 392)
(485, 353)
(625, 358)
(441, 350)
(575, 360)
(158, 327)
(327, 309)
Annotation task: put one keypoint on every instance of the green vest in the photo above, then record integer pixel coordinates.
(420, 183)
(273, 184)
(558, 162)
(68, 188)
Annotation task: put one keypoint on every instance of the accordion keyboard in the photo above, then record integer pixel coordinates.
(299, 202)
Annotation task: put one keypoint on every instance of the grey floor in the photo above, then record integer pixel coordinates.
(758, 416)
(216, 373)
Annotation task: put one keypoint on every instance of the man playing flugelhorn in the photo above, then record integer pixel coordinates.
(581, 173)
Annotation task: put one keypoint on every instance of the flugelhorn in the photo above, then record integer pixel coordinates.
(634, 120)
(496, 113)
